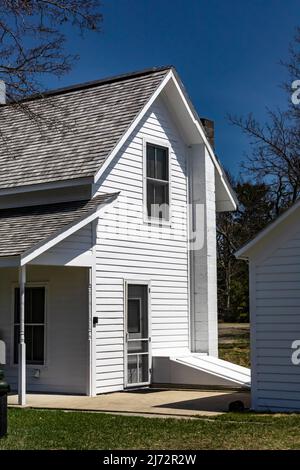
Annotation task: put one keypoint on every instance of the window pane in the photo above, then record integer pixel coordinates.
(144, 368)
(139, 293)
(150, 161)
(160, 194)
(28, 303)
(29, 342)
(134, 315)
(150, 198)
(38, 344)
(161, 163)
(132, 369)
(34, 305)
(34, 334)
(17, 305)
(158, 200)
(16, 343)
(37, 304)
(138, 346)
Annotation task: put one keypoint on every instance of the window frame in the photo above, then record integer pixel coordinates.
(15, 285)
(166, 145)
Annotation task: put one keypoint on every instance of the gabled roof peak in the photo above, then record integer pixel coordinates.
(99, 82)
(245, 251)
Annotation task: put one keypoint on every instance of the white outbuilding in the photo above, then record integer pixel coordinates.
(274, 267)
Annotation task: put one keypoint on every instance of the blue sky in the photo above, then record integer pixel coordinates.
(227, 53)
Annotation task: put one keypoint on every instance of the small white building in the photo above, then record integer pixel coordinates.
(274, 266)
(108, 239)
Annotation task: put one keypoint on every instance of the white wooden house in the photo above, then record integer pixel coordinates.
(274, 267)
(99, 290)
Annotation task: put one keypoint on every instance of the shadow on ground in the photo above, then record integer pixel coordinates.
(209, 403)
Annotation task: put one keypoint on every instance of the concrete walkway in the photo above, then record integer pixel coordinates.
(147, 402)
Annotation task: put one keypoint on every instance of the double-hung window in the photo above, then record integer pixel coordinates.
(158, 185)
(34, 324)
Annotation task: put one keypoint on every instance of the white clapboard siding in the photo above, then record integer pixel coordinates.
(275, 297)
(127, 249)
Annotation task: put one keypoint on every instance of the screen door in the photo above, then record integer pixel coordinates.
(137, 347)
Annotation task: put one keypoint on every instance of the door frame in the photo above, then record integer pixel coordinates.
(147, 283)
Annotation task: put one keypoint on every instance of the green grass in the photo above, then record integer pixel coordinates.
(234, 343)
(40, 429)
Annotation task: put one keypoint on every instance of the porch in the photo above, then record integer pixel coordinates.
(46, 285)
(56, 326)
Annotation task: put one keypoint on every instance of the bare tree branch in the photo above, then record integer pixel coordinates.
(32, 40)
(33, 45)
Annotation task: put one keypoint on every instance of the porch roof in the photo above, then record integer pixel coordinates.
(25, 228)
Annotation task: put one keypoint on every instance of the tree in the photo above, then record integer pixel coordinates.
(32, 40)
(275, 158)
(233, 230)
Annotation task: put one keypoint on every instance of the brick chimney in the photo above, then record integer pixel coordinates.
(2, 92)
(209, 127)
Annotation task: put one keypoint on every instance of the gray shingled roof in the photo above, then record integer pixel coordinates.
(23, 227)
(92, 119)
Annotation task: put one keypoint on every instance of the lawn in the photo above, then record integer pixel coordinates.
(234, 343)
(40, 429)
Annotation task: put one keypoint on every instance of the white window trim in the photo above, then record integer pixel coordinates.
(154, 220)
(44, 284)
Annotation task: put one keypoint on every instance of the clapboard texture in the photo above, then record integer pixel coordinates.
(23, 227)
(275, 301)
(129, 251)
(69, 135)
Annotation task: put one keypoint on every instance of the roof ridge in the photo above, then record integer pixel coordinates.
(95, 83)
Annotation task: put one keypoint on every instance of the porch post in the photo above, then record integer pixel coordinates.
(22, 345)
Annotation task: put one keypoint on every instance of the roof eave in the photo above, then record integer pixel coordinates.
(72, 182)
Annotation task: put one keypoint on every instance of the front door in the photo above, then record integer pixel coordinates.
(137, 336)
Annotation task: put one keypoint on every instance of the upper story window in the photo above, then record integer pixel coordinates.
(157, 181)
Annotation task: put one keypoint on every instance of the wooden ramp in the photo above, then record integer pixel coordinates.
(232, 373)
(198, 370)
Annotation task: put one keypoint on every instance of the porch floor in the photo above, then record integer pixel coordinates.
(147, 402)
